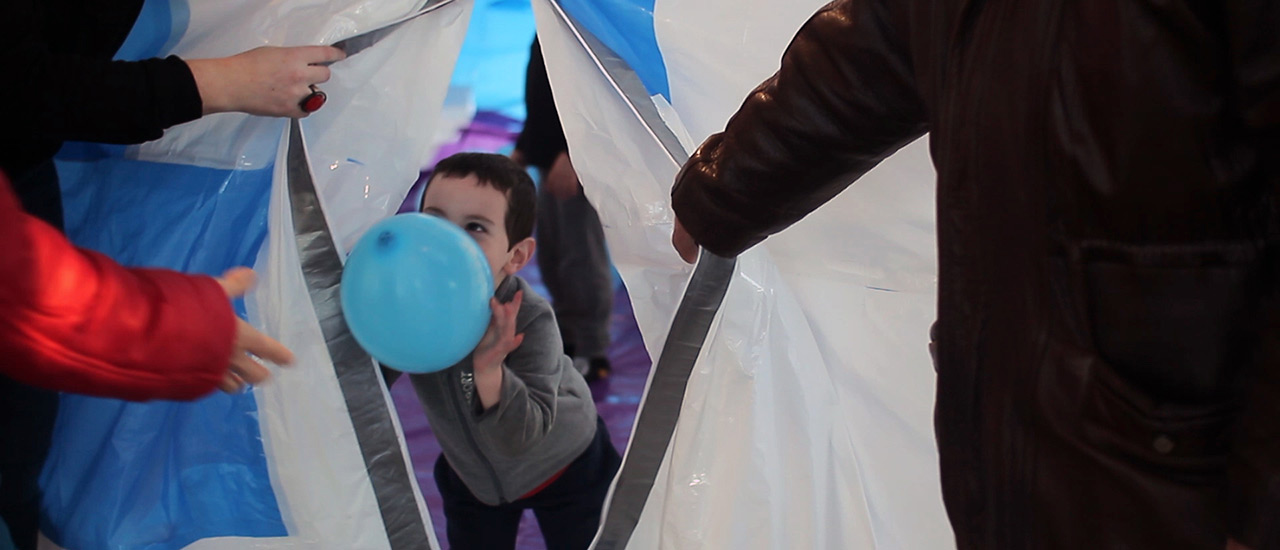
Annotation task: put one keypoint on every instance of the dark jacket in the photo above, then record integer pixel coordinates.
(1108, 181)
(61, 83)
(542, 137)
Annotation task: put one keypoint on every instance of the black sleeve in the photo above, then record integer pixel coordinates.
(88, 97)
(542, 139)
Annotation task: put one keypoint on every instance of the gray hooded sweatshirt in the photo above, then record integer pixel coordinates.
(543, 420)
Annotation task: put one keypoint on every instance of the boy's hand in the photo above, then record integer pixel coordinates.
(499, 341)
(501, 338)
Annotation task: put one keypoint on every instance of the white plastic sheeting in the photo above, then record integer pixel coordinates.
(807, 421)
(367, 146)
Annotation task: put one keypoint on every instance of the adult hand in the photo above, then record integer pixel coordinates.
(684, 243)
(244, 367)
(266, 81)
(561, 180)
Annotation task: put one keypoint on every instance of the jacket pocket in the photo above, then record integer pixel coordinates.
(1172, 328)
(1183, 441)
(1174, 322)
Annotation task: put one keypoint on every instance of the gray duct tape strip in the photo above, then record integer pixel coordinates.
(357, 376)
(657, 420)
(661, 411)
(628, 84)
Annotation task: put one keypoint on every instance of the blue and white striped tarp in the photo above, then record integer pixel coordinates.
(313, 459)
(802, 421)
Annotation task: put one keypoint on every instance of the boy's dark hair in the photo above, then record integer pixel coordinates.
(503, 174)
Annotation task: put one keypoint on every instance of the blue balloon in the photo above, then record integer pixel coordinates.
(415, 293)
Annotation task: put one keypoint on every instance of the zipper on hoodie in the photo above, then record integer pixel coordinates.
(475, 446)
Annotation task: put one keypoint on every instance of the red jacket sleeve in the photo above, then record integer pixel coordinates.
(74, 320)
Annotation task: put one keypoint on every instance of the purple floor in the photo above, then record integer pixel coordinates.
(616, 397)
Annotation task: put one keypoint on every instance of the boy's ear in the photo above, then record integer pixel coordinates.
(521, 253)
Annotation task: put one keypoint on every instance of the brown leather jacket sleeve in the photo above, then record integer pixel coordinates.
(843, 100)
(1254, 470)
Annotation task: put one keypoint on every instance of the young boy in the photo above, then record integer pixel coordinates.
(515, 420)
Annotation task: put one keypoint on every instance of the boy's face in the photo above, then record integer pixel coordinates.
(481, 211)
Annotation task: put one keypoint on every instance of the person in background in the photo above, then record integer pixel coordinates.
(572, 256)
(63, 85)
(74, 320)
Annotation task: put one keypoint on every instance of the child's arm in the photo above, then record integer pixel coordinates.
(499, 341)
(527, 382)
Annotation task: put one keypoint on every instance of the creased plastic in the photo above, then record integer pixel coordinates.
(807, 419)
(278, 467)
